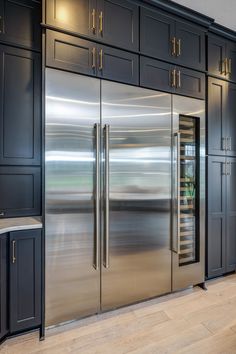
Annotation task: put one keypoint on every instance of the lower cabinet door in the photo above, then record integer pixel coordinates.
(231, 216)
(216, 237)
(3, 285)
(25, 280)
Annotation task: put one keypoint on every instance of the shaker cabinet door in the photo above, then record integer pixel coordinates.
(190, 46)
(25, 279)
(156, 33)
(4, 285)
(231, 55)
(77, 16)
(231, 216)
(216, 118)
(20, 23)
(230, 119)
(190, 83)
(216, 238)
(20, 107)
(118, 23)
(216, 55)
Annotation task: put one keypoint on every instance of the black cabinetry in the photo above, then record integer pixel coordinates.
(20, 23)
(112, 21)
(164, 37)
(3, 288)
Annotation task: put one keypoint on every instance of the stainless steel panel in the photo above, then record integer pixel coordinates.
(139, 194)
(72, 110)
(189, 274)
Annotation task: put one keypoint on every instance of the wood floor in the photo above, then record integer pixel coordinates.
(192, 321)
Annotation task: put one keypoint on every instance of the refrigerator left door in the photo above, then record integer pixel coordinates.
(71, 150)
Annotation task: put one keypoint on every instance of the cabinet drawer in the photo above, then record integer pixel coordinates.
(192, 83)
(20, 191)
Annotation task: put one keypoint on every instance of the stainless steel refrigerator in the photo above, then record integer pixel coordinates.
(113, 195)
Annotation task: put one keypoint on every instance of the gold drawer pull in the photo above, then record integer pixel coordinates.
(94, 21)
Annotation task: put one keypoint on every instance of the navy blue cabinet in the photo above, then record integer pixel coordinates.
(25, 279)
(20, 23)
(4, 285)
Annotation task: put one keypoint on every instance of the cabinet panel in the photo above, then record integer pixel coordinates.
(21, 23)
(231, 55)
(120, 23)
(20, 111)
(156, 33)
(3, 287)
(231, 216)
(216, 241)
(155, 74)
(72, 15)
(25, 279)
(20, 190)
(69, 53)
(216, 116)
(190, 83)
(230, 118)
(216, 55)
(191, 47)
(118, 65)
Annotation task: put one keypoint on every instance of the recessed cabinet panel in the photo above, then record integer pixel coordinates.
(216, 116)
(230, 118)
(20, 112)
(118, 65)
(231, 215)
(20, 191)
(118, 23)
(20, 23)
(156, 33)
(231, 55)
(3, 287)
(74, 15)
(216, 55)
(190, 46)
(190, 83)
(216, 243)
(25, 279)
(70, 53)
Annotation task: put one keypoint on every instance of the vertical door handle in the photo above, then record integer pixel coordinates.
(228, 168)
(107, 221)
(229, 66)
(178, 47)
(230, 143)
(173, 78)
(224, 169)
(93, 58)
(97, 198)
(13, 251)
(223, 67)
(173, 47)
(94, 21)
(224, 143)
(177, 188)
(178, 79)
(101, 23)
(100, 60)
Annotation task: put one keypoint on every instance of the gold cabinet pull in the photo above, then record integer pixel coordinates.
(173, 46)
(101, 23)
(229, 66)
(13, 251)
(178, 47)
(94, 21)
(1, 24)
(178, 79)
(100, 59)
(224, 66)
(173, 78)
(93, 58)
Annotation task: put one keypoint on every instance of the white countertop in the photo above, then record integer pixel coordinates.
(16, 224)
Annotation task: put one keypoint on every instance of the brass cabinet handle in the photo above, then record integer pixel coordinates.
(229, 143)
(1, 24)
(178, 79)
(173, 78)
(94, 21)
(101, 23)
(223, 143)
(13, 251)
(224, 169)
(223, 66)
(173, 46)
(229, 66)
(228, 168)
(178, 47)
(100, 59)
(93, 58)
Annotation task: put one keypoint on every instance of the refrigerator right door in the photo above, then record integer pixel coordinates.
(188, 192)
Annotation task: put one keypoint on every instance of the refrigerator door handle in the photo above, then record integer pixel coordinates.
(107, 221)
(176, 233)
(97, 198)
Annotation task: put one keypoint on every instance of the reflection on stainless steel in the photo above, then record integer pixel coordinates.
(189, 122)
(72, 283)
(139, 194)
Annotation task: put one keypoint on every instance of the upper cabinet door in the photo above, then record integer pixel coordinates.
(20, 112)
(216, 123)
(190, 46)
(230, 116)
(216, 55)
(190, 83)
(118, 23)
(231, 55)
(156, 34)
(78, 16)
(20, 23)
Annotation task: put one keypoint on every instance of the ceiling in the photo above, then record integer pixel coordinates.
(223, 11)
